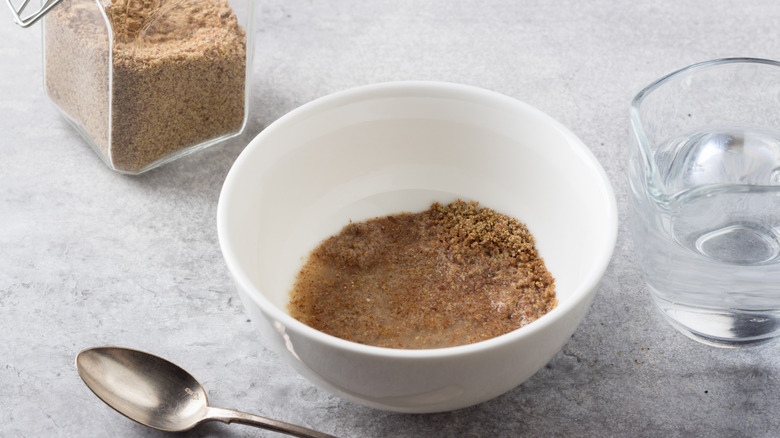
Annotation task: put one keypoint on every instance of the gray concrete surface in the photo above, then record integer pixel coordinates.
(91, 257)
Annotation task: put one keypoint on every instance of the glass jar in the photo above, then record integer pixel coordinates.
(149, 81)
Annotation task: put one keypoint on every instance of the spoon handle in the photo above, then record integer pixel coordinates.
(233, 416)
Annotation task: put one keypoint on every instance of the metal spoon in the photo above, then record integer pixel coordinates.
(158, 394)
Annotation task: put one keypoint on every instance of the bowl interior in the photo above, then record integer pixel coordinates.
(390, 148)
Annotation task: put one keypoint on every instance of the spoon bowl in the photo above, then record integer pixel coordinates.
(159, 394)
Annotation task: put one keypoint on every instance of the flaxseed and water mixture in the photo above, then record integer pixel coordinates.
(454, 274)
(171, 76)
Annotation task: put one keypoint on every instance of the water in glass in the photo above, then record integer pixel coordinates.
(710, 218)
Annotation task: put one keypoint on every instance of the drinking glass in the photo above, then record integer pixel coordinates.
(704, 172)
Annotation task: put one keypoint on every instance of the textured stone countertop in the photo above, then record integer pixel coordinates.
(91, 257)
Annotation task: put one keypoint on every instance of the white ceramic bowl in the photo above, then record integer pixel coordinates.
(388, 148)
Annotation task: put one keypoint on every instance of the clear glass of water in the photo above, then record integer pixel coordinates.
(705, 185)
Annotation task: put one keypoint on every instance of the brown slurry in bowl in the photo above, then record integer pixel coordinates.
(454, 274)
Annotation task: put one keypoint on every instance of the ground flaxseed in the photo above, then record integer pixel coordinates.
(175, 77)
(454, 274)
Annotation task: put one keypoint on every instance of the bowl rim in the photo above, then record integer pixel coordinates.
(429, 89)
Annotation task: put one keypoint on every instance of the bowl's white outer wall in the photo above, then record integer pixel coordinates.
(285, 193)
(411, 383)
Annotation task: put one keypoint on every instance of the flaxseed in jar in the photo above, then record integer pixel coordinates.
(147, 81)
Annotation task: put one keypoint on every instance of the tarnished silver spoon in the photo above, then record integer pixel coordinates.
(159, 394)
